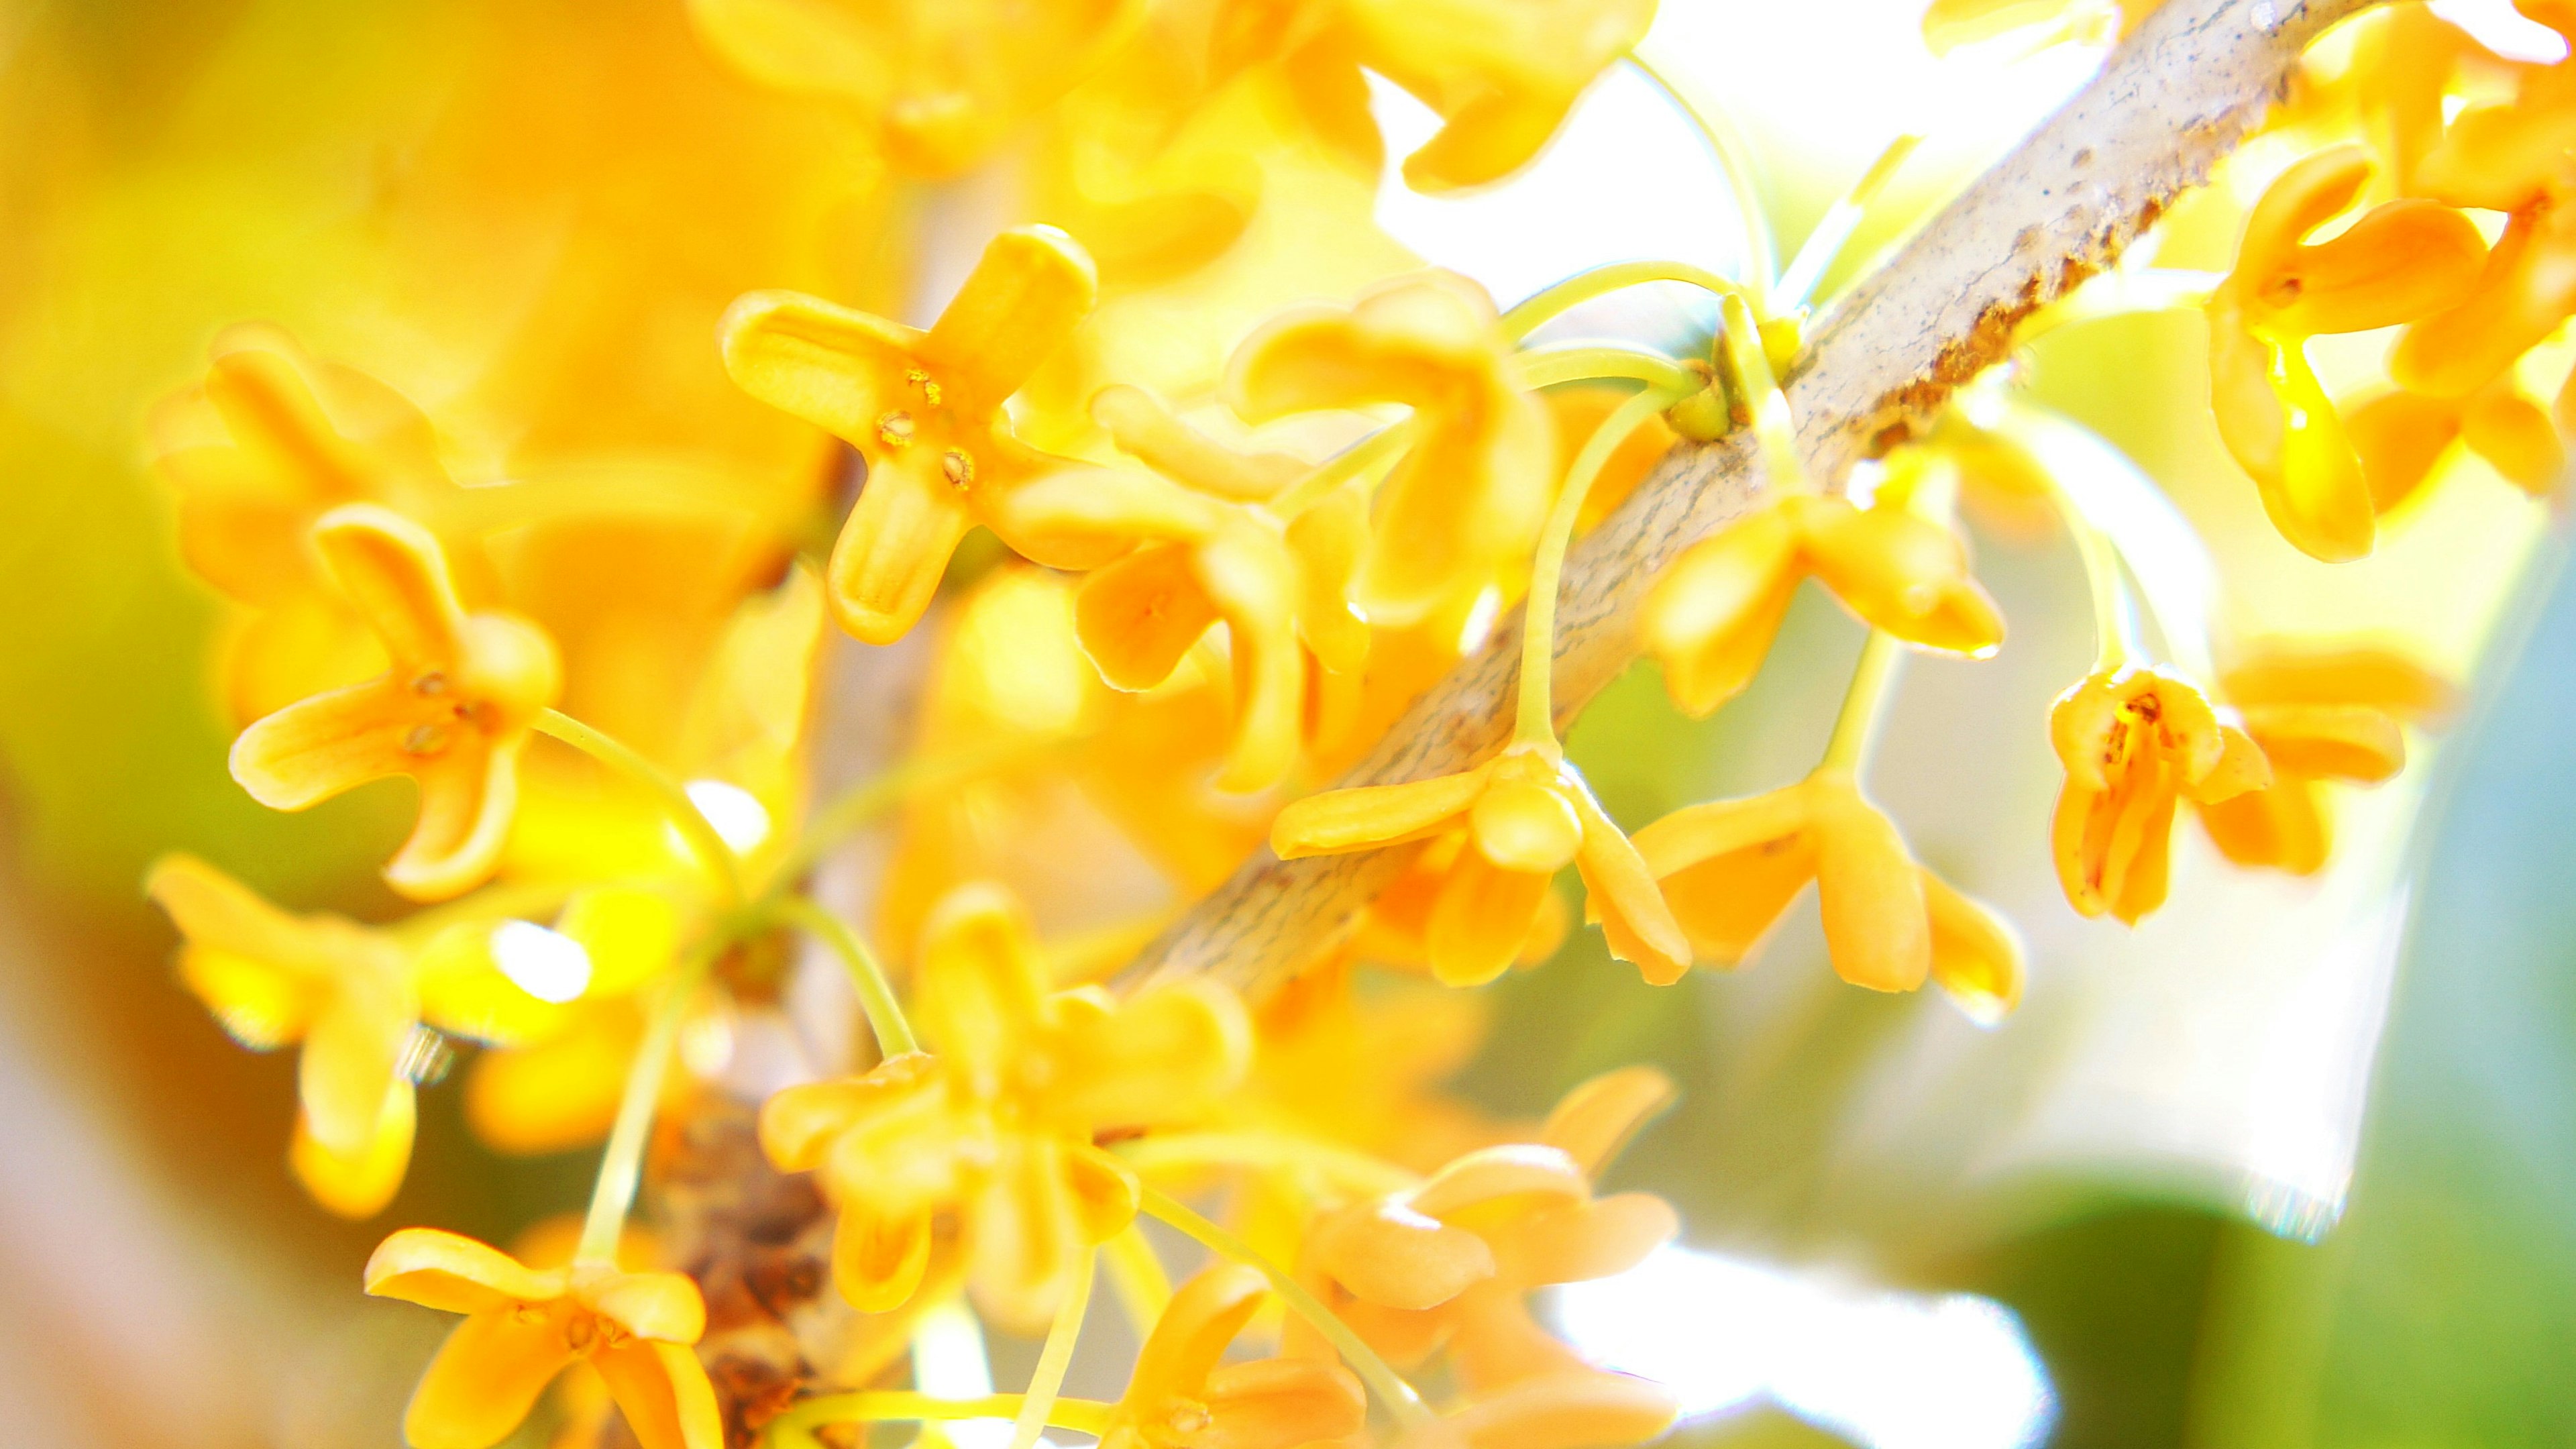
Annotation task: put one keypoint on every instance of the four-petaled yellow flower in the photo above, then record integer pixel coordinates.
(524, 1326)
(1712, 617)
(1731, 868)
(269, 442)
(925, 410)
(2318, 716)
(2396, 263)
(2135, 741)
(344, 991)
(1526, 816)
(997, 1126)
(454, 712)
(1450, 1263)
(1466, 501)
(1194, 558)
(1182, 1395)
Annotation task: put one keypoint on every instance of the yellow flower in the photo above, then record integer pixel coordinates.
(1338, 1061)
(1711, 618)
(2134, 741)
(524, 1326)
(1450, 1264)
(1182, 1395)
(1588, 1410)
(1467, 499)
(1526, 817)
(1731, 868)
(2318, 715)
(2396, 263)
(940, 85)
(268, 443)
(344, 991)
(453, 713)
(925, 410)
(997, 1127)
(1395, 930)
(2400, 435)
(1194, 558)
(1502, 74)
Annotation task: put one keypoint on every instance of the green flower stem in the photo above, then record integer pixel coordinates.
(617, 755)
(1400, 1399)
(1726, 141)
(1834, 232)
(876, 994)
(1537, 722)
(621, 1166)
(1382, 446)
(1542, 307)
(795, 1428)
(1550, 366)
(1773, 428)
(1144, 1289)
(1856, 726)
(1037, 1406)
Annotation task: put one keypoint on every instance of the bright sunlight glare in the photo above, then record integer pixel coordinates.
(741, 821)
(546, 964)
(1885, 1370)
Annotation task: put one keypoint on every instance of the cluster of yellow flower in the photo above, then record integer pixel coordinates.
(1193, 635)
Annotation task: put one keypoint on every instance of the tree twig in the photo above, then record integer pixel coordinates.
(2175, 97)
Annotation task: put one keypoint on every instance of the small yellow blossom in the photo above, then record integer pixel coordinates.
(2135, 741)
(1450, 1264)
(996, 1128)
(1526, 817)
(2318, 715)
(1731, 868)
(2396, 263)
(1711, 618)
(1395, 930)
(1467, 499)
(1502, 74)
(2401, 435)
(453, 713)
(269, 442)
(344, 991)
(925, 410)
(939, 85)
(524, 1326)
(1183, 1395)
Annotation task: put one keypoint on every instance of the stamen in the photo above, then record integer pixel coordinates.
(424, 739)
(923, 381)
(958, 468)
(430, 684)
(895, 429)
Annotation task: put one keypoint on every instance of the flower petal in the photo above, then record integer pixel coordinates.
(557, 1094)
(1712, 616)
(878, 1257)
(1877, 931)
(1138, 617)
(2333, 741)
(1165, 1053)
(1373, 815)
(1587, 1410)
(1029, 290)
(1280, 1403)
(486, 1378)
(798, 1123)
(1514, 1177)
(452, 1272)
(663, 1391)
(357, 1184)
(1593, 1121)
(1578, 1242)
(1624, 895)
(2318, 498)
(2396, 263)
(894, 546)
(1976, 954)
(1392, 1255)
(836, 367)
(1146, 431)
(661, 1306)
(469, 797)
(981, 996)
(316, 748)
(2399, 436)
(1483, 915)
(1190, 1337)
(395, 574)
(2283, 827)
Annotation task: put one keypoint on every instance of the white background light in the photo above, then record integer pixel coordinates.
(739, 818)
(547, 965)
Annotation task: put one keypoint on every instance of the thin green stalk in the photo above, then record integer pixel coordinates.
(1773, 428)
(693, 825)
(1541, 307)
(876, 994)
(1734, 154)
(1399, 1397)
(2123, 294)
(795, 1428)
(1055, 1357)
(1864, 703)
(1834, 231)
(1359, 458)
(621, 1165)
(883, 792)
(1537, 722)
(2115, 623)
(1550, 366)
(1144, 1289)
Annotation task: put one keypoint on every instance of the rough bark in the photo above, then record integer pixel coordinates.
(2170, 101)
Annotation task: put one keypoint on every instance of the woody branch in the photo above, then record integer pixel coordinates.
(2173, 99)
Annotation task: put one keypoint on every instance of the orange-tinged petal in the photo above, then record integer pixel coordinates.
(449, 1271)
(2398, 437)
(2336, 741)
(2306, 196)
(358, 1183)
(661, 1306)
(1525, 826)
(1249, 575)
(1138, 617)
(980, 991)
(1191, 1336)
(1729, 868)
(1026, 1236)
(1469, 494)
(349, 1058)
(1976, 954)
(1029, 290)
(2527, 290)
(2248, 413)
(1146, 431)
(1373, 815)
(2499, 157)
(895, 545)
(2241, 766)
(260, 970)
(1869, 891)
(1619, 890)
(1577, 1242)
(664, 1393)
(317, 748)
(2318, 497)
(1713, 613)
(1901, 572)
(485, 1379)
(1498, 1343)
(2342, 674)
(1280, 1403)
(2283, 827)
(1483, 914)
(878, 1258)
(1593, 1121)
(2397, 263)
(1104, 1192)
(395, 574)
(1328, 540)
(1164, 1053)
(1516, 1177)
(1395, 1256)
(798, 1123)
(1571, 1411)
(1086, 517)
(468, 799)
(557, 1094)
(2513, 433)
(836, 367)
